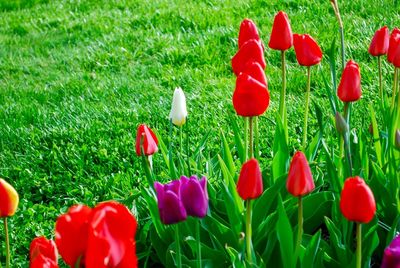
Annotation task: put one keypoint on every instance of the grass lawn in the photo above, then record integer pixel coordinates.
(77, 77)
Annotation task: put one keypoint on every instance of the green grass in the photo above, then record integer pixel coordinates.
(77, 77)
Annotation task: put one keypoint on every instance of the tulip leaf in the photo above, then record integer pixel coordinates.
(377, 142)
(285, 236)
(153, 210)
(311, 251)
(315, 207)
(238, 140)
(227, 155)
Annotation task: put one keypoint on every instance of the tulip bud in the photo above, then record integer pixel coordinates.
(357, 202)
(194, 196)
(178, 112)
(341, 125)
(255, 70)
(397, 139)
(349, 89)
(391, 255)
(43, 253)
(281, 34)
(380, 42)
(8, 199)
(250, 184)
(252, 50)
(170, 205)
(248, 30)
(300, 181)
(307, 51)
(146, 138)
(393, 54)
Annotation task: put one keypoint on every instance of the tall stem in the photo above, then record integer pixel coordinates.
(306, 109)
(181, 140)
(198, 243)
(380, 79)
(187, 147)
(394, 86)
(283, 90)
(256, 138)
(343, 52)
(299, 226)
(171, 162)
(346, 138)
(178, 246)
(246, 130)
(251, 137)
(7, 243)
(248, 230)
(359, 237)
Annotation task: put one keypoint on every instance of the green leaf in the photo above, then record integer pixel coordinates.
(311, 251)
(285, 236)
(227, 155)
(238, 140)
(377, 142)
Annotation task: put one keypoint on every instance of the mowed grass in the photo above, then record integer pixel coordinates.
(77, 77)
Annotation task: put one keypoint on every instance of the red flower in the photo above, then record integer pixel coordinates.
(350, 84)
(249, 51)
(251, 97)
(248, 30)
(357, 201)
(145, 137)
(300, 181)
(281, 35)
(250, 184)
(254, 69)
(111, 241)
(380, 42)
(8, 199)
(72, 234)
(307, 51)
(43, 253)
(393, 54)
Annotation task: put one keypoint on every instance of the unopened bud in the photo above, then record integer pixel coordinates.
(341, 126)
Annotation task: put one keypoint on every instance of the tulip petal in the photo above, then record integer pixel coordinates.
(9, 199)
(194, 198)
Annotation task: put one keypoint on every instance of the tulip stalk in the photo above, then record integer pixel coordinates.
(147, 165)
(299, 226)
(339, 18)
(304, 144)
(359, 237)
(251, 137)
(346, 139)
(248, 230)
(395, 82)
(7, 243)
(178, 246)
(246, 130)
(256, 138)
(380, 79)
(198, 244)
(282, 102)
(171, 164)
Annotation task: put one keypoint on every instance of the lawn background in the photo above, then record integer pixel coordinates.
(77, 77)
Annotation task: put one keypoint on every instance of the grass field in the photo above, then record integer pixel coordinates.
(77, 77)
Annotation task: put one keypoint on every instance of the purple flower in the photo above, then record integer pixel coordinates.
(170, 203)
(195, 196)
(391, 255)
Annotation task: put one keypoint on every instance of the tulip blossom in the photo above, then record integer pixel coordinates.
(170, 204)
(8, 199)
(281, 34)
(72, 234)
(391, 255)
(254, 69)
(380, 42)
(349, 89)
(43, 253)
(248, 30)
(252, 50)
(145, 137)
(251, 97)
(393, 54)
(357, 201)
(308, 53)
(300, 181)
(250, 184)
(178, 112)
(111, 239)
(194, 196)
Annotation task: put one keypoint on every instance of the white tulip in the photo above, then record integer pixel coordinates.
(178, 112)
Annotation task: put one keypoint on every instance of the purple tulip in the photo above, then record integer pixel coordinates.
(170, 203)
(391, 255)
(195, 196)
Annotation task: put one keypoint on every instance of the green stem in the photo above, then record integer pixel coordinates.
(7, 243)
(394, 86)
(346, 139)
(256, 139)
(380, 79)
(283, 90)
(343, 52)
(181, 140)
(178, 246)
(299, 226)
(251, 137)
(171, 162)
(246, 129)
(187, 147)
(359, 238)
(248, 231)
(198, 243)
(306, 108)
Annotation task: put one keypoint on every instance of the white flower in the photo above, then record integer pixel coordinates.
(178, 112)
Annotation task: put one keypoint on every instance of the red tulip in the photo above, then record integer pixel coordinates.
(8, 199)
(350, 84)
(145, 137)
(393, 54)
(250, 51)
(300, 181)
(111, 241)
(72, 234)
(281, 35)
(254, 69)
(248, 30)
(307, 51)
(250, 184)
(357, 201)
(43, 253)
(380, 42)
(251, 97)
